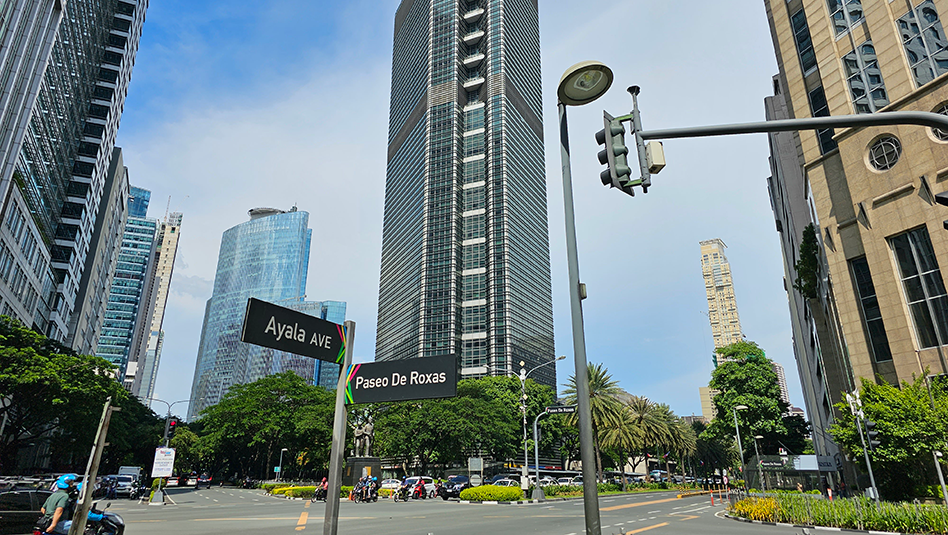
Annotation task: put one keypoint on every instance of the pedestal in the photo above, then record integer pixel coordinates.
(358, 467)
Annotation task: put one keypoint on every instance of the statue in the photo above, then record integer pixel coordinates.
(359, 440)
(368, 437)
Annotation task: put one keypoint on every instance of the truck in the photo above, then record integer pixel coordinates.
(134, 471)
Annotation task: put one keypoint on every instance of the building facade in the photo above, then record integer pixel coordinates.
(465, 247)
(127, 312)
(53, 199)
(719, 287)
(106, 243)
(266, 258)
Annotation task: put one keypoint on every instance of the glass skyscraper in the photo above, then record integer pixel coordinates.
(465, 246)
(267, 258)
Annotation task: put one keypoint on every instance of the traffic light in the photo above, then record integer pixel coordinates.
(871, 433)
(172, 427)
(614, 154)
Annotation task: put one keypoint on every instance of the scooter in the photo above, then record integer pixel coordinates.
(419, 492)
(111, 523)
(319, 495)
(401, 494)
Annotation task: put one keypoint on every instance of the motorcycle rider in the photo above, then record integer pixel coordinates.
(419, 490)
(60, 506)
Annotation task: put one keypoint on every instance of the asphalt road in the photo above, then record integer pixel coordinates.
(235, 511)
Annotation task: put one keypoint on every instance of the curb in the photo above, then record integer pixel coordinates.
(824, 528)
(547, 500)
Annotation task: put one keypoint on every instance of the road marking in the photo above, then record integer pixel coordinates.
(307, 505)
(301, 524)
(698, 509)
(651, 512)
(689, 517)
(680, 507)
(144, 521)
(617, 507)
(216, 500)
(640, 530)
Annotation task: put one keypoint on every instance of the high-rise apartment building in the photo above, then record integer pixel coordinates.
(465, 247)
(267, 258)
(719, 287)
(162, 268)
(51, 204)
(781, 381)
(27, 32)
(869, 191)
(85, 324)
(127, 312)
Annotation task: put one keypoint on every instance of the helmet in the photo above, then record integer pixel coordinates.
(375, 478)
(66, 480)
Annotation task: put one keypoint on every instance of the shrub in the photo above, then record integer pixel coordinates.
(155, 483)
(385, 493)
(344, 491)
(562, 490)
(608, 487)
(491, 493)
(270, 487)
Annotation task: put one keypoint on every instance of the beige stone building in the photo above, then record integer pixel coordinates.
(722, 307)
(871, 190)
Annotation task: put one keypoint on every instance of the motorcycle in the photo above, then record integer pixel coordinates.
(441, 491)
(401, 494)
(319, 495)
(419, 492)
(111, 523)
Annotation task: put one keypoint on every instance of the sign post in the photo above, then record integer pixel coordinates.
(555, 409)
(331, 520)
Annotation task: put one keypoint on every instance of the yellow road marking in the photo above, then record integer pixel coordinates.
(307, 505)
(626, 506)
(304, 516)
(689, 517)
(244, 518)
(640, 530)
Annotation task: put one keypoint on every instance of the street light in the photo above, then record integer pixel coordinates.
(740, 449)
(280, 471)
(760, 473)
(581, 84)
(168, 417)
(524, 484)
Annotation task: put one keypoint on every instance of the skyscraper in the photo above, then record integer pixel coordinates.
(51, 203)
(267, 258)
(465, 247)
(722, 306)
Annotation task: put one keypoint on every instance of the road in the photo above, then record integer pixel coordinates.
(228, 511)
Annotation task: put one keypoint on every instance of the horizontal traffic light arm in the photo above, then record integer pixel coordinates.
(920, 118)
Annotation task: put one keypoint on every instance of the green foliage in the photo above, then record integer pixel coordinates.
(491, 493)
(156, 483)
(604, 406)
(909, 429)
(856, 513)
(808, 266)
(747, 378)
(50, 391)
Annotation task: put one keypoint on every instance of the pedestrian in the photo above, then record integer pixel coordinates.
(111, 494)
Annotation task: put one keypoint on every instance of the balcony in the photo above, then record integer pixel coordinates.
(472, 84)
(473, 61)
(474, 37)
(473, 15)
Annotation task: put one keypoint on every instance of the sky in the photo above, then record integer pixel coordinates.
(240, 104)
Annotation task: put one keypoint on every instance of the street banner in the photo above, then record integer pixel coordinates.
(164, 463)
(276, 327)
(561, 409)
(399, 380)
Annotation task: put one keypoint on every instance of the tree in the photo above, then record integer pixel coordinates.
(650, 428)
(808, 266)
(604, 405)
(909, 430)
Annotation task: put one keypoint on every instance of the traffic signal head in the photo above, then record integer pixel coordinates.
(172, 427)
(872, 434)
(614, 154)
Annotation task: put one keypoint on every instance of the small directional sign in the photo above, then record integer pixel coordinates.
(276, 327)
(399, 380)
(561, 409)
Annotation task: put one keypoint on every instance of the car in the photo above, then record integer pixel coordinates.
(125, 485)
(566, 481)
(429, 484)
(506, 483)
(547, 481)
(20, 509)
(456, 479)
(204, 479)
(391, 484)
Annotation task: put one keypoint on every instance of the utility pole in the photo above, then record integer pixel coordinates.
(92, 469)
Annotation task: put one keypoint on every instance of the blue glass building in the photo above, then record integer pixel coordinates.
(465, 245)
(267, 258)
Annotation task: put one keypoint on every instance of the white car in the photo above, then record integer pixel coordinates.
(566, 481)
(391, 484)
(506, 483)
(429, 484)
(547, 481)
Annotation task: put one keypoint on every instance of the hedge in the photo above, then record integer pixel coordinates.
(270, 487)
(491, 493)
(306, 492)
(855, 513)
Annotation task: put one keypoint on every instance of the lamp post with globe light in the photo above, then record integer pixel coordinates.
(525, 478)
(740, 449)
(580, 84)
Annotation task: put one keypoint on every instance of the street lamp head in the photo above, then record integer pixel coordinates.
(285, 449)
(561, 357)
(583, 83)
(758, 437)
(741, 407)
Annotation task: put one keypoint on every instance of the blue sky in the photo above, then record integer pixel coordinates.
(248, 103)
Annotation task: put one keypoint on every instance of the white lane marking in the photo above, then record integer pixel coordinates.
(216, 500)
(608, 501)
(651, 518)
(679, 507)
(698, 509)
(243, 498)
(650, 512)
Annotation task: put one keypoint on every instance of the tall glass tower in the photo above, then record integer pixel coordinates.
(465, 245)
(267, 258)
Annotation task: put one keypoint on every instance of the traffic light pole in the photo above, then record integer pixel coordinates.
(865, 451)
(586, 443)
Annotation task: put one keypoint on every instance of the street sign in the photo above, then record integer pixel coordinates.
(726, 480)
(476, 480)
(399, 380)
(561, 409)
(276, 327)
(164, 463)
(475, 464)
(276, 469)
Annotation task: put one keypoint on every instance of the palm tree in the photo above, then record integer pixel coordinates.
(624, 436)
(604, 405)
(678, 439)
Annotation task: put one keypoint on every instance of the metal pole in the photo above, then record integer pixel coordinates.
(537, 492)
(280, 472)
(740, 448)
(865, 451)
(331, 520)
(760, 472)
(586, 444)
(92, 469)
(639, 140)
(525, 473)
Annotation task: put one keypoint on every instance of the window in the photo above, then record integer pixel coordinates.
(940, 134)
(819, 108)
(865, 79)
(845, 14)
(884, 153)
(474, 319)
(801, 34)
(924, 40)
(922, 285)
(871, 314)
(15, 501)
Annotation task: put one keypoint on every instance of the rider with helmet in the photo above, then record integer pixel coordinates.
(59, 507)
